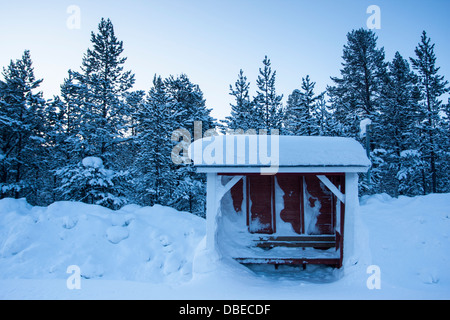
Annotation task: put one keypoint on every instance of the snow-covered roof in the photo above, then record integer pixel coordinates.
(217, 153)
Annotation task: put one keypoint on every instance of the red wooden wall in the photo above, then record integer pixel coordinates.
(261, 210)
(292, 187)
(260, 190)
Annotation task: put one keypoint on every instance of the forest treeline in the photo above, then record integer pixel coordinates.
(100, 141)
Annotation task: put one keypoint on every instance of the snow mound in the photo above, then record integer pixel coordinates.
(116, 234)
(160, 253)
(93, 162)
(410, 239)
(135, 243)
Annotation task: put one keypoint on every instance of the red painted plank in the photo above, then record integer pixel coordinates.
(326, 220)
(274, 219)
(247, 197)
(290, 184)
(237, 194)
(260, 192)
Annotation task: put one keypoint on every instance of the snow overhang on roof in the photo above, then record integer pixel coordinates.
(255, 153)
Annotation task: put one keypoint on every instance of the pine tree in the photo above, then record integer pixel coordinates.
(300, 115)
(105, 112)
(188, 103)
(187, 106)
(356, 95)
(445, 155)
(21, 131)
(268, 108)
(432, 87)
(241, 117)
(71, 143)
(128, 150)
(397, 164)
(324, 117)
(152, 166)
(90, 182)
(133, 101)
(96, 114)
(54, 153)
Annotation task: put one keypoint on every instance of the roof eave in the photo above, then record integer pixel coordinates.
(283, 169)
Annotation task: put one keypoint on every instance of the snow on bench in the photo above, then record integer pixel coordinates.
(308, 249)
(301, 241)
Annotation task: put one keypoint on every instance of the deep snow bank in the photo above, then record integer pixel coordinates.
(135, 243)
(410, 239)
(154, 253)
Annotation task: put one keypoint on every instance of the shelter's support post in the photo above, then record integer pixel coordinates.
(351, 210)
(214, 193)
(211, 210)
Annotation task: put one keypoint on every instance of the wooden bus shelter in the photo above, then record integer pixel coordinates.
(281, 199)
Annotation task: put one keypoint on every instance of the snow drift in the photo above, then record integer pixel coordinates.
(158, 253)
(135, 243)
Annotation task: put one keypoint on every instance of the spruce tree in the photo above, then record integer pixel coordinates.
(90, 182)
(21, 130)
(106, 112)
(71, 143)
(268, 108)
(133, 101)
(444, 182)
(55, 151)
(324, 117)
(97, 113)
(300, 115)
(188, 103)
(356, 94)
(432, 87)
(188, 106)
(396, 158)
(152, 175)
(128, 150)
(241, 117)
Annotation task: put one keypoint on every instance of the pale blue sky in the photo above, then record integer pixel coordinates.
(211, 40)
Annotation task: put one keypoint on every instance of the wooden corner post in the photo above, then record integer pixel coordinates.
(211, 210)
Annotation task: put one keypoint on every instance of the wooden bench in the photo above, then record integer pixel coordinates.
(300, 241)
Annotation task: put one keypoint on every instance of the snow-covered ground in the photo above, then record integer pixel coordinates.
(157, 253)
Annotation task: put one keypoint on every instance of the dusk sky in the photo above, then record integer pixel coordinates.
(211, 41)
